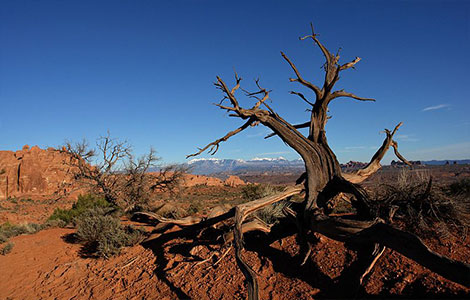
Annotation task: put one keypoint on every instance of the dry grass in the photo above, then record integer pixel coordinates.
(424, 207)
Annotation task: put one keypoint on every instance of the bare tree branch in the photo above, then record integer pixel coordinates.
(301, 96)
(214, 146)
(350, 64)
(230, 93)
(330, 58)
(342, 93)
(300, 79)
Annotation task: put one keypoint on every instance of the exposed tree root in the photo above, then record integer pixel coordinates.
(355, 233)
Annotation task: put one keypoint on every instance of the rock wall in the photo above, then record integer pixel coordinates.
(33, 172)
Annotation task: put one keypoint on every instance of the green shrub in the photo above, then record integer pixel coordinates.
(102, 234)
(6, 249)
(8, 230)
(83, 204)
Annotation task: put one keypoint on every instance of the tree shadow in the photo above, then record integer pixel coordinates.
(158, 245)
(340, 287)
(284, 263)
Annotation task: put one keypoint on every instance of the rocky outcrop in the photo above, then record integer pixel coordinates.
(33, 172)
(234, 181)
(353, 165)
(192, 180)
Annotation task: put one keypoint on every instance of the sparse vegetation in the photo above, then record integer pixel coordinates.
(195, 207)
(7, 248)
(272, 213)
(8, 230)
(460, 188)
(83, 204)
(423, 207)
(255, 191)
(102, 234)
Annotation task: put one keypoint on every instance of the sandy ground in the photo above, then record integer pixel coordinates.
(48, 266)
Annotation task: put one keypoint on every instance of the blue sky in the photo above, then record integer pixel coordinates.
(144, 70)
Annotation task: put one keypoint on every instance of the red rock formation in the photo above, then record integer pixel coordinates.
(32, 172)
(234, 181)
(192, 180)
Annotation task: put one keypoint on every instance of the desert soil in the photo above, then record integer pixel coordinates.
(49, 265)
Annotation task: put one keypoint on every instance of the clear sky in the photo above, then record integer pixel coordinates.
(144, 70)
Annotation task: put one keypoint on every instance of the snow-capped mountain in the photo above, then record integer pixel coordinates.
(260, 164)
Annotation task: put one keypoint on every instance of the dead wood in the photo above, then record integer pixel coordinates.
(322, 182)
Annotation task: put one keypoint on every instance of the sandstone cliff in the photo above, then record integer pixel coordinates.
(33, 172)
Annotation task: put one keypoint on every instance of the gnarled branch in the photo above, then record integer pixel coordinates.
(374, 164)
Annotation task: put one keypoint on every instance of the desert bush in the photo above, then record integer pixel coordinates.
(102, 234)
(460, 188)
(256, 191)
(83, 204)
(194, 207)
(269, 214)
(8, 230)
(6, 249)
(272, 213)
(423, 207)
(54, 223)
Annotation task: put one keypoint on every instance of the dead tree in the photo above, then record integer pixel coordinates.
(113, 172)
(323, 179)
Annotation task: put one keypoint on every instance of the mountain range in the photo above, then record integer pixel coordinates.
(207, 166)
(217, 165)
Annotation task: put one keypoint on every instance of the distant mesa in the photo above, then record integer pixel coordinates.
(353, 165)
(402, 164)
